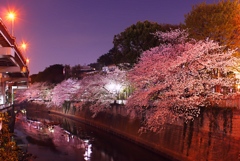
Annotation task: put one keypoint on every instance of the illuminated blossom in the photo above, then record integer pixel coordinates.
(174, 79)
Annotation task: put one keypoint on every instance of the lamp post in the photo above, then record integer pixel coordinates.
(11, 16)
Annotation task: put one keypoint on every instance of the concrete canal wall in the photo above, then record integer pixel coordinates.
(214, 135)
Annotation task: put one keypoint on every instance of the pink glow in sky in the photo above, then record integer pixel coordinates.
(76, 32)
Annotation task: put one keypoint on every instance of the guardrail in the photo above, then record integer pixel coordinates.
(5, 107)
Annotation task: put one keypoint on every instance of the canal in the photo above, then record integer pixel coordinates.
(50, 137)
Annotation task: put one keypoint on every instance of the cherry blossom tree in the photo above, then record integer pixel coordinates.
(100, 90)
(96, 92)
(64, 91)
(36, 91)
(176, 78)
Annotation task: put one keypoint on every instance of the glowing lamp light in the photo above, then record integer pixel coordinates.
(118, 87)
(113, 87)
(110, 87)
(24, 69)
(11, 15)
(24, 46)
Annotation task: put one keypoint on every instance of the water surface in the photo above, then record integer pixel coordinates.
(50, 137)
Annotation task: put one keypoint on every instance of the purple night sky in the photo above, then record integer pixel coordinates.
(79, 31)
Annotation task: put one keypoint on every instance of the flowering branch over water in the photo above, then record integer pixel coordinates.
(176, 78)
(171, 81)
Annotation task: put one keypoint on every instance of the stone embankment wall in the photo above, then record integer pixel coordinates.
(214, 135)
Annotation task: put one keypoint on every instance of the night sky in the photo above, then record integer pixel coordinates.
(76, 32)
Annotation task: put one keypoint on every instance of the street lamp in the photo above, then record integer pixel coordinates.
(24, 47)
(11, 16)
(27, 61)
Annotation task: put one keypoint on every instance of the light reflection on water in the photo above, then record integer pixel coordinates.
(50, 137)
